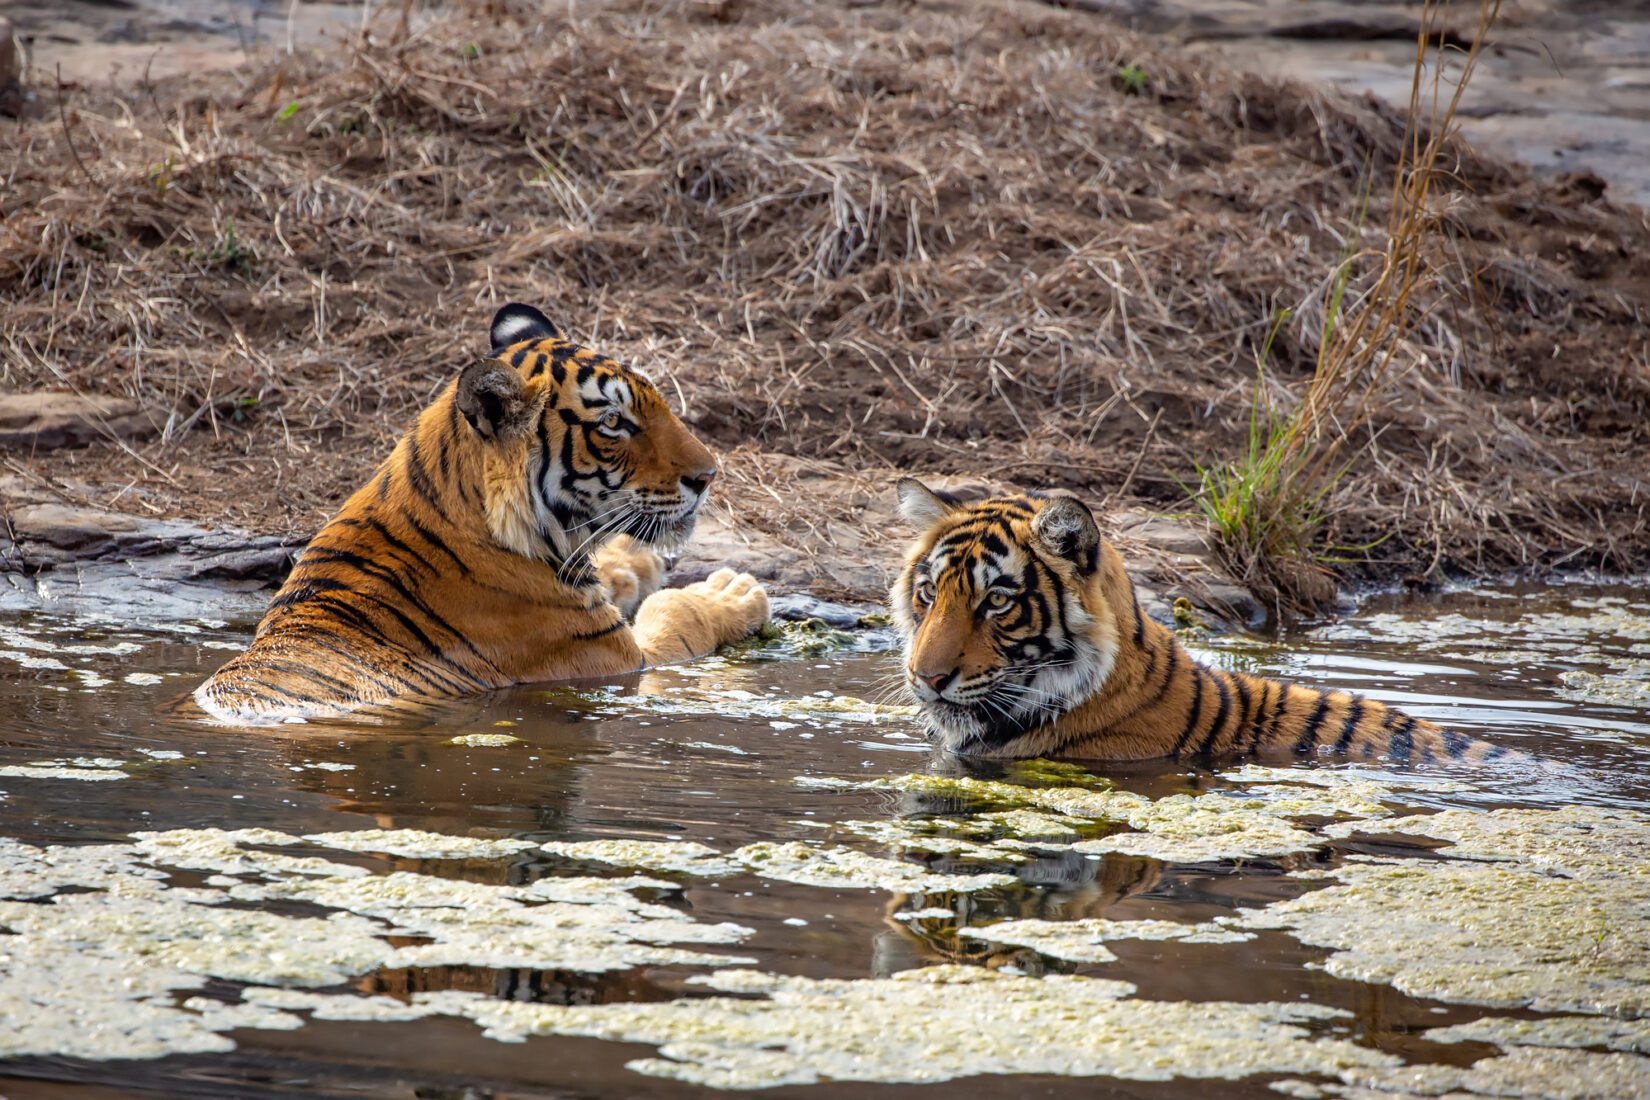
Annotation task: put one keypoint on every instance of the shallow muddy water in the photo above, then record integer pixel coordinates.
(819, 905)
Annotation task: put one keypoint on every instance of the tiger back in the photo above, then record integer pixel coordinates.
(1024, 637)
(487, 549)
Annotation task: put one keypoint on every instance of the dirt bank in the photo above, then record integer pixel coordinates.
(850, 238)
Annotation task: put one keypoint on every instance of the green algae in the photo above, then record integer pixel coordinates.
(1545, 909)
(96, 769)
(681, 856)
(793, 861)
(418, 844)
(938, 1024)
(1552, 1031)
(923, 835)
(1084, 940)
(227, 851)
(218, 1015)
(92, 974)
(1260, 824)
(1101, 804)
(338, 1006)
(1626, 685)
(843, 867)
(822, 710)
(1527, 1073)
(793, 639)
(592, 925)
(1573, 841)
(484, 740)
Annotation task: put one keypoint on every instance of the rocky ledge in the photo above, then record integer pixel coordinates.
(85, 561)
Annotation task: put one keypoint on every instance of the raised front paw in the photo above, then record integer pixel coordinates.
(629, 571)
(738, 603)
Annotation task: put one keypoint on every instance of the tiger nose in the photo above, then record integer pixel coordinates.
(700, 481)
(935, 680)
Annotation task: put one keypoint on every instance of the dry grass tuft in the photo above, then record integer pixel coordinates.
(943, 239)
(1268, 504)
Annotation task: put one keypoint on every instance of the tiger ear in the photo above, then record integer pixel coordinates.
(517, 322)
(920, 505)
(1066, 526)
(492, 397)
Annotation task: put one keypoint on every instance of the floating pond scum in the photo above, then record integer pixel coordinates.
(751, 874)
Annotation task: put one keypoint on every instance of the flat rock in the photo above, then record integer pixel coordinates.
(798, 606)
(53, 419)
(1167, 535)
(108, 565)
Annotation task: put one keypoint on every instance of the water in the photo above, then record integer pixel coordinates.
(712, 755)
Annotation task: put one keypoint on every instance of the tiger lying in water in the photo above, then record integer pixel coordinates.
(1023, 637)
(485, 551)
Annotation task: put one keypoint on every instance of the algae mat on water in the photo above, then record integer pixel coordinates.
(106, 956)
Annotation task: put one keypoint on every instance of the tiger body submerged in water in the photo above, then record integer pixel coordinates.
(1024, 637)
(504, 541)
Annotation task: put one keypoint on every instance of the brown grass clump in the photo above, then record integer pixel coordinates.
(1267, 504)
(950, 237)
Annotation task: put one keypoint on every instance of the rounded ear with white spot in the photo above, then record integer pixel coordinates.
(492, 397)
(517, 322)
(920, 505)
(1066, 526)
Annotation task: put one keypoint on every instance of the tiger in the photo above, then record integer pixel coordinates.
(1023, 637)
(505, 540)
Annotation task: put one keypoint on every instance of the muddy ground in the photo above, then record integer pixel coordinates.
(853, 239)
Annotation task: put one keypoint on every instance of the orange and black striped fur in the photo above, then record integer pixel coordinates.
(1024, 637)
(486, 551)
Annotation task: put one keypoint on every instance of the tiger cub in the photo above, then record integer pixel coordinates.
(487, 550)
(1023, 637)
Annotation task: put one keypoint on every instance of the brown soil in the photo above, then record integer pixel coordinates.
(869, 236)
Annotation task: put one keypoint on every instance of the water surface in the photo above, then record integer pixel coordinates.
(713, 754)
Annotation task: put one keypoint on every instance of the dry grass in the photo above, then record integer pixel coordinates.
(934, 238)
(1267, 505)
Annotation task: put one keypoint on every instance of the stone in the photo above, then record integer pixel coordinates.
(1166, 535)
(53, 419)
(798, 606)
(90, 562)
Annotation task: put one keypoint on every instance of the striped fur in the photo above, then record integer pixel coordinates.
(486, 551)
(1023, 637)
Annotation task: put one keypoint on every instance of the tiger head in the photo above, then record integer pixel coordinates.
(1001, 610)
(577, 446)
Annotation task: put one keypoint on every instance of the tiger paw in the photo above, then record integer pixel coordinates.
(629, 571)
(677, 624)
(739, 603)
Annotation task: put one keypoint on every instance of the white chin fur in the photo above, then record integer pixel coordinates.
(1054, 692)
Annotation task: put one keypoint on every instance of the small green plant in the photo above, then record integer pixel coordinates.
(160, 174)
(472, 52)
(1267, 506)
(228, 250)
(1249, 500)
(1132, 79)
(287, 112)
(242, 408)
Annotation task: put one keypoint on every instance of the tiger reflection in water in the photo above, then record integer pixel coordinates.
(1068, 886)
(1054, 885)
